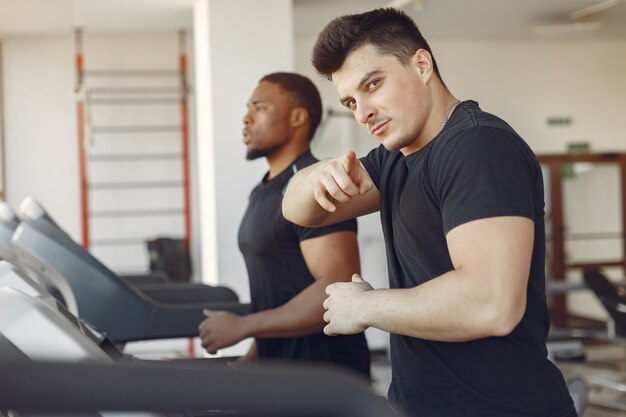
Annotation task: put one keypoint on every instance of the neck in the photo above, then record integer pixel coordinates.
(284, 156)
(442, 103)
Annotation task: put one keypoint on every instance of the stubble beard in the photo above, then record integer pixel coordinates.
(394, 143)
(256, 153)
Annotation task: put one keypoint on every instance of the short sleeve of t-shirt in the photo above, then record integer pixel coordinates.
(373, 163)
(305, 233)
(486, 172)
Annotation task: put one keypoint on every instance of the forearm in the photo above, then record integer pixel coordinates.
(484, 295)
(448, 308)
(299, 204)
(300, 316)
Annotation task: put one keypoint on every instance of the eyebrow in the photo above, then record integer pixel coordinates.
(255, 102)
(363, 81)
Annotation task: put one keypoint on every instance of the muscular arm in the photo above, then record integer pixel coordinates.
(329, 192)
(485, 294)
(330, 258)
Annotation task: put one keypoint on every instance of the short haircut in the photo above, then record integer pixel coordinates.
(304, 94)
(389, 30)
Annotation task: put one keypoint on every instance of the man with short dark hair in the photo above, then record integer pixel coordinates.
(461, 201)
(289, 266)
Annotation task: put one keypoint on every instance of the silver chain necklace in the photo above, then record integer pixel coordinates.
(446, 115)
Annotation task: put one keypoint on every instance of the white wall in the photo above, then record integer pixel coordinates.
(242, 48)
(526, 82)
(2, 197)
(42, 144)
(40, 125)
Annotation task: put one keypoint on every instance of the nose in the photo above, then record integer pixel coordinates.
(364, 113)
(247, 119)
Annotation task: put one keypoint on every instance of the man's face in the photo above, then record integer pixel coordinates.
(266, 123)
(388, 99)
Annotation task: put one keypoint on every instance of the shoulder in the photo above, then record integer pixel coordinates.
(256, 190)
(379, 158)
(305, 160)
(470, 120)
(474, 131)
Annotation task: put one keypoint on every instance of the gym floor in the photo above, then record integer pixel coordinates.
(603, 362)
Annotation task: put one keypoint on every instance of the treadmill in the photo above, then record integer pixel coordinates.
(125, 312)
(8, 224)
(35, 329)
(72, 373)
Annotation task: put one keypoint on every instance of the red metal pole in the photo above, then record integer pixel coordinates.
(622, 163)
(186, 181)
(182, 63)
(184, 131)
(82, 152)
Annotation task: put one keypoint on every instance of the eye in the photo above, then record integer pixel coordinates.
(351, 104)
(373, 84)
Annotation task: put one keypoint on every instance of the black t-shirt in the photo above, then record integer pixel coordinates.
(270, 245)
(476, 167)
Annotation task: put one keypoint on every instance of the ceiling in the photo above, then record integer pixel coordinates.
(477, 19)
(441, 19)
(36, 17)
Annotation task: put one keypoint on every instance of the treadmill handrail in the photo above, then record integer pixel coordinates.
(133, 314)
(279, 389)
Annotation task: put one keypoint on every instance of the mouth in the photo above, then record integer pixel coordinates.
(378, 128)
(247, 137)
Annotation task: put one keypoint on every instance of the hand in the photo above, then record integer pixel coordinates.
(220, 329)
(340, 178)
(342, 306)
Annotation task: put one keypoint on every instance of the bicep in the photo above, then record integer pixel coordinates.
(495, 252)
(332, 257)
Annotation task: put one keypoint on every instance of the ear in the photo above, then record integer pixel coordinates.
(299, 117)
(422, 61)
